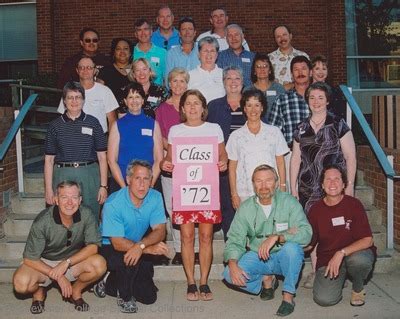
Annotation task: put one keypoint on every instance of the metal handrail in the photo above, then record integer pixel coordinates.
(376, 147)
(16, 125)
(385, 161)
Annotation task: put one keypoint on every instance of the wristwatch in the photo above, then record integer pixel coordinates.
(141, 245)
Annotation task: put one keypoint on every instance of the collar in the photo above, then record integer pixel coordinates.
(65, 117)
(57, 219)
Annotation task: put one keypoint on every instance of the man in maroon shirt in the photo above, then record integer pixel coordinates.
(344, 238)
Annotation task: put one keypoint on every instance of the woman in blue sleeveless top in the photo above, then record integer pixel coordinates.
(133, 136)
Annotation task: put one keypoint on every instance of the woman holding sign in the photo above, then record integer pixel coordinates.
(193, 112)
(134, 129)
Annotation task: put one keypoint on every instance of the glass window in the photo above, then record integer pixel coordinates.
(18, 32)
(373, 44)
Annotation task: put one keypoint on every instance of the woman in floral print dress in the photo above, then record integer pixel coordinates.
(193, 112)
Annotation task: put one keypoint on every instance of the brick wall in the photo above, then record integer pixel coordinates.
(318, 26)
(8, 177)
(373, 175)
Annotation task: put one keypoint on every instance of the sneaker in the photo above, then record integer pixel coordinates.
(309, 282)
(99, 289)
(127, 306)
(269, 293)
(37, 307)
(177, 260)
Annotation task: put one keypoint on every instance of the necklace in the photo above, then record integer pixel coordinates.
(319, 123)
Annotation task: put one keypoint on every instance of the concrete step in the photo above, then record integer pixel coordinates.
(379, 236)
(384, 264)
(365, 194)
(18, 224)
(27, 205)
(374, 215)
(34, 183)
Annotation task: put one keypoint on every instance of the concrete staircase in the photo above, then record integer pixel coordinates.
(24, 209)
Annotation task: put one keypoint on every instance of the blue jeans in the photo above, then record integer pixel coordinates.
(286, 262)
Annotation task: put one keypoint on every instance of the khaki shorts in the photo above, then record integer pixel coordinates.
(52, 263)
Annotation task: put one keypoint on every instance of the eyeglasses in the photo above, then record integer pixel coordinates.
(85, 67)
(88, 40)
(71, 98)
(69, 235)
(261, 66)
(165, 44)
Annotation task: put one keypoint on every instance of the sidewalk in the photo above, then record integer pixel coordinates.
(383, 301)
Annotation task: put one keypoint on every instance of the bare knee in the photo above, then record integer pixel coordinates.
(206, 238)
(187, 238)
(22, 282)
(99, 265)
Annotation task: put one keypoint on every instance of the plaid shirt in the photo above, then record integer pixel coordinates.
(288, 110)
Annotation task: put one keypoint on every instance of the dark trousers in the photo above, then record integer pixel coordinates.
(129, 281)
(228, 212)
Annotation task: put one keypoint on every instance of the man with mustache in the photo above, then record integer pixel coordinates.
(291, 108)
(265, 239)
(282, 57)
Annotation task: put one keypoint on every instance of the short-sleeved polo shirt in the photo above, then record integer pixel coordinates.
(76, 140)
(121, 218)
(48, 237)
(156, 57)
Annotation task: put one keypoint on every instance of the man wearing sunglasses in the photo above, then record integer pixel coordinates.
(61, 247)
(89, 40)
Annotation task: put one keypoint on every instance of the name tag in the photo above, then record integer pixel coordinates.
(152, 99)
(147, 132)
(87, 130)
(246, 60)
(281, 227)
(271, 93)
(337, 221)
(155, 59)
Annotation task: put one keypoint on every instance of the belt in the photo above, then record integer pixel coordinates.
(74, 164)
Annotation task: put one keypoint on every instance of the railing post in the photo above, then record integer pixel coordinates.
(20, 167)
(348, 111)
(14, 97)
(390, 208)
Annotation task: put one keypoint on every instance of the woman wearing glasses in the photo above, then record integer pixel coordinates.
(263, 78)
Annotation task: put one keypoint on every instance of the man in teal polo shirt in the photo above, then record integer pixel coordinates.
(145, 49)
(127, 216)
(62, 247)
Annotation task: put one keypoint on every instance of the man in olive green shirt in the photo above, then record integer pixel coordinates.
(273, 226)
(62, 247)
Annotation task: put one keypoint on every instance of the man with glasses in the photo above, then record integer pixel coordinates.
(265, 239)
(219, 21)
(145, 49)
(166, 36)
(61, 247)
(99, 99)
(89, 40)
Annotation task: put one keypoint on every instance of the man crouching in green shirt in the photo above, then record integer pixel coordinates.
(62, 247)
(273, 226)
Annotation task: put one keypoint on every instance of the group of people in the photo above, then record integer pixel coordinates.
(286, 162)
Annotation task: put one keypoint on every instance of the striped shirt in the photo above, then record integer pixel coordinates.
(288, 110)
(75, 140)
(244, 61)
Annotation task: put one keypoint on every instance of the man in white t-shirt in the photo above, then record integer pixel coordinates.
(219, 21)
(99, 99)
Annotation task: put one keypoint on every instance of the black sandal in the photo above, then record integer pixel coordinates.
(192, 294)
(37, 307)
(205, 293)
(80, 304)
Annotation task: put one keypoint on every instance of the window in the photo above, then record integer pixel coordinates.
(373, 44)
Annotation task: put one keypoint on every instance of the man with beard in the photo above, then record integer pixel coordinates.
(266, 239)
(282, 57)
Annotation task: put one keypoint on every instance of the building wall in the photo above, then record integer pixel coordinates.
(318, 26)
(373, 175)
(8, 177)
